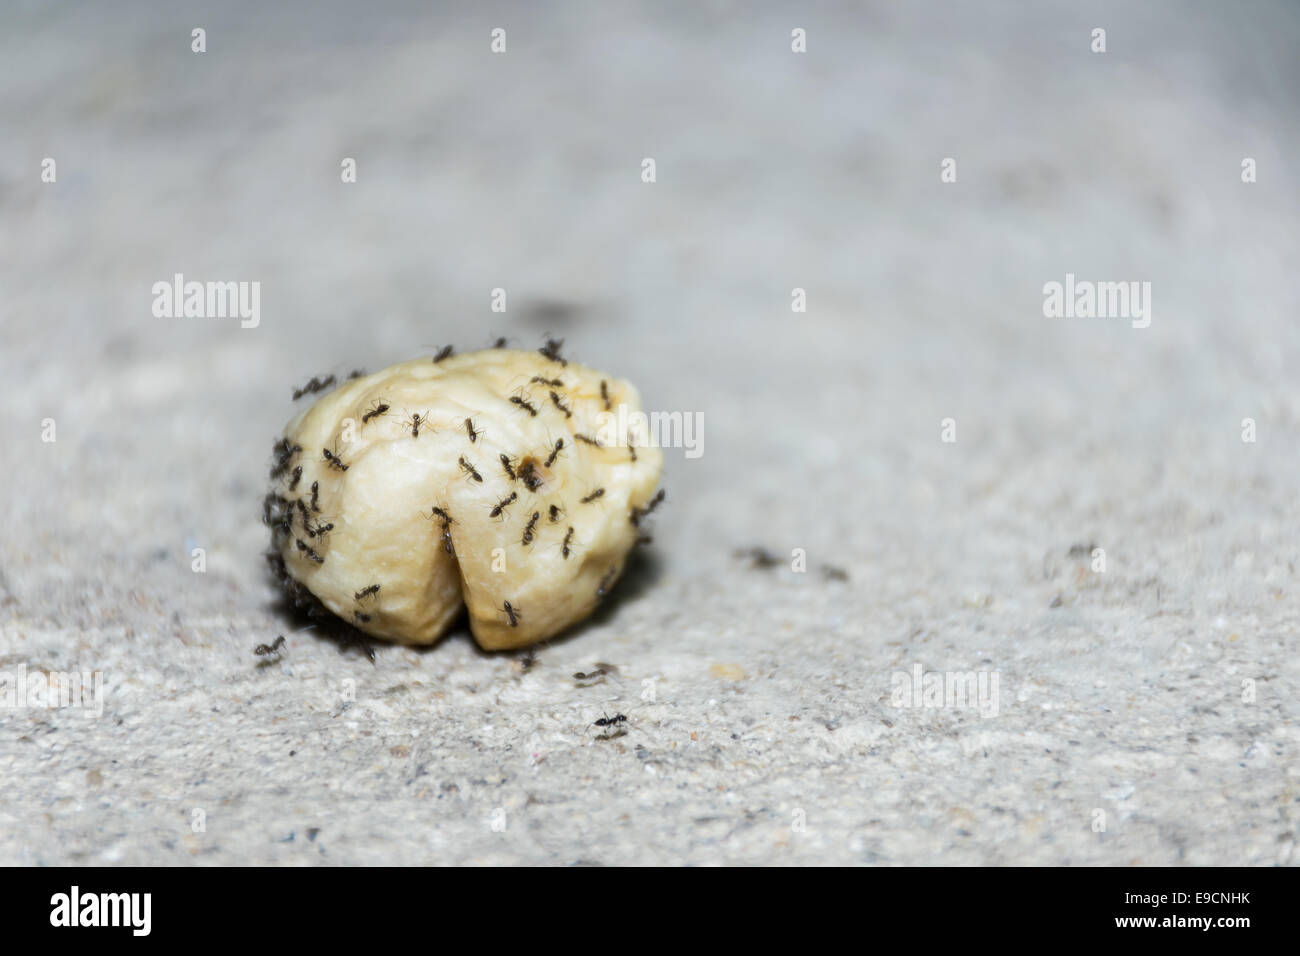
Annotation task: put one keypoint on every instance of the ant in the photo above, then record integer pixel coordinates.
(532, 523)
(415, 421)
(599, 670)
(555, 452)
(361, 618)
(760, 558)
(283, 453)
(638, 514)
(315, 385)
(503, 504)
(565, 549)
(505, 463)
(374, 412)
(500, 343)
(588, 440)
(568, 413)
(529, 476)
(319, 531)
(471, 430)
(524, 403)
(309, 551)
(554, 382)
(555, 512)
(470, 469)
(356, 373)
(297, 477)
(632, 450)
(441, 514)
(334, 460)
(604, 393)
(315, 496)
(513, 613)
(445, 352)
(302, 509)
(529, 660)
(598, 493)
(611, 725)
(551, 350)
(261, 650)
(366, 592)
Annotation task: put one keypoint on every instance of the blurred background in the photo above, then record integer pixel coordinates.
(775, 171)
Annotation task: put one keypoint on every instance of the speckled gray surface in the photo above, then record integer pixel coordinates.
(1145, 714)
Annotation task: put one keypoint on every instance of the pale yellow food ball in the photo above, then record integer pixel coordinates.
(497, 481)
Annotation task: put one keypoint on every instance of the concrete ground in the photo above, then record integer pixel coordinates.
(1137, 715)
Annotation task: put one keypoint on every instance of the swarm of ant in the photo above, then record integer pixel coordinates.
(516, 497)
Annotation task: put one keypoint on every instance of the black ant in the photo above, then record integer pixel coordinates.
(553, 382)
(588, 440)
(356, 373)
(309, 551)
(500, 343)
(471, 430)
(532, 523)
(561, 406)
(366, 592)
(598, 493)
(604, 393)
(374, 412)
(555, 452)
(470, 469)
(555, 512)
(262, 650)
(638, 514)
(599, 670)
(297, 477)
(361, 618)
(524, 403)
(302, 509)
(513, 613)
(315, 496)
(415, 421)
(504, 503)
(315, 385)
(283, 453)
(759, 558)
(529, 476)
(632, 451)
(505, 463)
(551, 350)
(611, 725)
(319, 531)
(334, 460)
(445, 352)
(441, 514)
(565, 549)
(529, 660)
